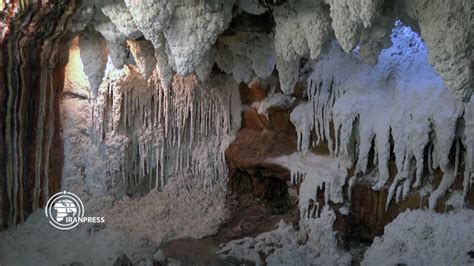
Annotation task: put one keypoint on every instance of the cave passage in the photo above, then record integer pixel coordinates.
(236, 132)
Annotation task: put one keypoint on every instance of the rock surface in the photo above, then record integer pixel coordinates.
(339, 130)
(33, 53)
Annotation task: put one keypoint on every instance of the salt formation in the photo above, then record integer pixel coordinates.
(184, 32)
(147, 133)
(163, 65)
(288, 72)
(104, 133)
(144, 55)
(313, 172)
(193, 29)
(136, 129)
(246, 55)
(161, 216)
(348, 18)
(30, 85)
(424, 237)
(94, 56)
(313, 244)
(302, 120)
(315, 241)
(118, 13)
(26, 245)
(446, 27)
(115, 40)
(386, 103)
(82, 172)
(301, 30)
(467, 140)
(204, 69)
(252, 7)
(189, 29)
(274, 100)
(181, 32)
(170, 214)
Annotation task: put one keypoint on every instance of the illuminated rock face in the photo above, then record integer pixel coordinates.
(134, 135)
(184, 33)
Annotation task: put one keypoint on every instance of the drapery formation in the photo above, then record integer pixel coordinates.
(32, 63)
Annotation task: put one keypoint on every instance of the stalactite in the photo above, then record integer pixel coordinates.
(467, 139)
(341, 90)
(170, 132)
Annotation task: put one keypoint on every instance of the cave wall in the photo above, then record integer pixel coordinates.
(133, 135)
(177, 45)
(33, 55)
(284, 138)
(291, 30)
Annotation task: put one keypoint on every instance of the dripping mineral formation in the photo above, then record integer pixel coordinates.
(285, 132)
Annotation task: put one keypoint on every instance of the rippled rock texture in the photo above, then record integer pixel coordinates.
(34, 45)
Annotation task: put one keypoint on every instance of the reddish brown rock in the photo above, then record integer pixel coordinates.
(369, 215)
(252, 148)
(33, 56)
(254, 120)
(300, 90)
(280, 120)
(259, 188)
(255, 92)
(262, 139)
(258, 92)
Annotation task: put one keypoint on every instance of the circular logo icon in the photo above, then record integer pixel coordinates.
(64, 210)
